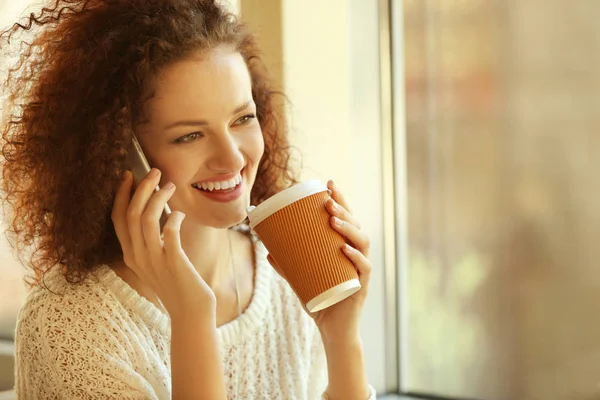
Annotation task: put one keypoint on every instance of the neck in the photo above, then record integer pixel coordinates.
(208, 250)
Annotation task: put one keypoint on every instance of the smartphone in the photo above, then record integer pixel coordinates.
(140, 167)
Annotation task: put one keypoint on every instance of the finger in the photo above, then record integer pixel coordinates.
(338, 211)
(272, 261)
(355, 236)
(151, 219)
(119, 212)
(172, 236)
(362, 264)
(275, 266)
(338, 196)
(138, 204)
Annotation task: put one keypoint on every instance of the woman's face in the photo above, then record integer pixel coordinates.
(204, 136)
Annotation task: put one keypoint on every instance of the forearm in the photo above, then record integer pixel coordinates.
(196, 366)
(346, 369)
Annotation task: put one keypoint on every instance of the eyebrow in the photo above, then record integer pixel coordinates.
(200, 122)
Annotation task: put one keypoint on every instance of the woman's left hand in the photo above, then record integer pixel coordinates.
(342, 319)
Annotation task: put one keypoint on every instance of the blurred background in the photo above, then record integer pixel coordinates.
(462, 133)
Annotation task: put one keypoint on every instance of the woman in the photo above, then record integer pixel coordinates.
(119, 310)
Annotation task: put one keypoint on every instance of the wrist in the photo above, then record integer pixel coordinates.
(338, 348)
(202, 319)
(340, 339)
(346, 369)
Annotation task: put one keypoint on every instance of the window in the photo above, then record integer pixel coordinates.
(12, 287)
(501, 285)
(12, 290)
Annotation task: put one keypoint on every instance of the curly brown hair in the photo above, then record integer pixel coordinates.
(73, 98)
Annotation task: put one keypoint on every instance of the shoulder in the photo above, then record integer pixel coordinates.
(77, 340)
(55, 296)
(56, 310)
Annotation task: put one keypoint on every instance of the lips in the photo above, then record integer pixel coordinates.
(216, 191)
(223, 196)
(219, 185)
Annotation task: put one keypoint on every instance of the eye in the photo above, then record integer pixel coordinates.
(190, 137)
(245, 119)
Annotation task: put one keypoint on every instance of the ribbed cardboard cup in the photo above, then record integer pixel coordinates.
(294, 227)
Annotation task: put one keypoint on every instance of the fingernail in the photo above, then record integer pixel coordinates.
(169, 186)
(348, 248)
(153, 173)
(338, 222)
(329, 192)
(125, 174)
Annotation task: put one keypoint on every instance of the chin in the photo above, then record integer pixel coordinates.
(220, 215)
(229, 223)
(225, 221)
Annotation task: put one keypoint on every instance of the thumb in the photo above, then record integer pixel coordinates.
(275, 266)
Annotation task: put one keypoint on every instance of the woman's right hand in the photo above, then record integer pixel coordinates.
(196, 365)
(159, 262)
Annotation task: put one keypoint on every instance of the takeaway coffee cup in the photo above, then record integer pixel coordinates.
(294, 227)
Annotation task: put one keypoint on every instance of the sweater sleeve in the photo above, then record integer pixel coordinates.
(72, 350)
(318, 377)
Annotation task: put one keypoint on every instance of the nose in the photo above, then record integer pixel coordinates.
(226, 154)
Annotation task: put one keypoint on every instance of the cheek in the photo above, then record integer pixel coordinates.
(179, 169)
(256, 147)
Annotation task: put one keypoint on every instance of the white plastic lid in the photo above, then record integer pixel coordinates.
(286, 197)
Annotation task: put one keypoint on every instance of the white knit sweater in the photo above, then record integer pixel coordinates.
(102, 340)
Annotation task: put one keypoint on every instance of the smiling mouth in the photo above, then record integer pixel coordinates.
(217, 190)
(220, 187)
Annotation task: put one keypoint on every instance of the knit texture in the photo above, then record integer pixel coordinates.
(102, 340)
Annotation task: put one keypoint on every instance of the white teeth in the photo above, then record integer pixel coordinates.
(210, 186)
